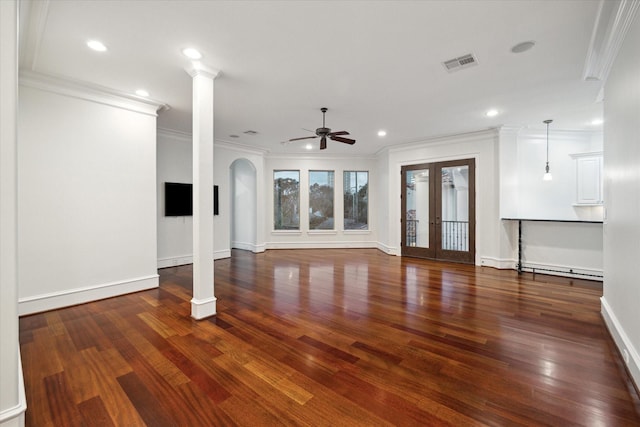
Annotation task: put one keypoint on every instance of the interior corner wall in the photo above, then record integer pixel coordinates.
(86, 200)
(381, 182)
(175, 233)
(621, 300)
(243, 192)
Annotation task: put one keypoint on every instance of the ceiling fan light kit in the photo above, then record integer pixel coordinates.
(324, 132)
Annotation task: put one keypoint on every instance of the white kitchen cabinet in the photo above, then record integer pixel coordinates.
(588, 178)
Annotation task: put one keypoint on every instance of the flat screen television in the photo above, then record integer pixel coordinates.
(178, 199)
(215, 200)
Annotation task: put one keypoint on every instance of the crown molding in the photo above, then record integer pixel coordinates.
(198, 69)
(319, 156)
(612, 23)
(480, 135)
(564, 134)
(91, 92)
(510, 130)
(240, 147)
(218, 143)
(176, 134)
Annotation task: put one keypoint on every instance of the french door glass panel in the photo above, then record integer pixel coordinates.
(455, 208)
(417, 208)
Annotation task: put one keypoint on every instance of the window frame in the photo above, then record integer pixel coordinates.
(298, 201)
(345, 186)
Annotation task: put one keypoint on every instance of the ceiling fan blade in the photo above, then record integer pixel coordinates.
(340, 132)
(304, 137)
(323, 143)
(345, 140)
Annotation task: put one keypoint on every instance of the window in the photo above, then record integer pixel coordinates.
(356, 200)
(321, 200)
(286, 200)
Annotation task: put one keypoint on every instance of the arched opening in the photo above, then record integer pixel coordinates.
(244, 214)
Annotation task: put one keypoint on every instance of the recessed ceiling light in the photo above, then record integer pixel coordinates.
(142, 92)
(191, 53)
(382, 133)
(309, 147)
(96, 45)
(596, 122)
(492, 113)
(523, 47)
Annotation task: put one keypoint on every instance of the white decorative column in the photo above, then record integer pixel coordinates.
(203, 303)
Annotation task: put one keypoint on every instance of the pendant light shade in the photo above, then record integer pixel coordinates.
(547, 175)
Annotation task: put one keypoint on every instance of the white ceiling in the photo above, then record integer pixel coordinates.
(375, 65)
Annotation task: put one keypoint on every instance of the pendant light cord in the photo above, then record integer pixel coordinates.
(547, 165)
(547, 143)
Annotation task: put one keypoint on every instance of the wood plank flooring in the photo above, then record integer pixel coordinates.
(332, 338)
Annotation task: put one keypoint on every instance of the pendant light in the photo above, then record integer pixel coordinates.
(547, 175)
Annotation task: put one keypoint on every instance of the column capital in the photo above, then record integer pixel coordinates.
(199, 69)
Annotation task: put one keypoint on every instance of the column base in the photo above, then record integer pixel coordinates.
(201, 309)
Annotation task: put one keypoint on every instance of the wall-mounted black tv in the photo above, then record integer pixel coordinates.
(215, 200)
(178, 199)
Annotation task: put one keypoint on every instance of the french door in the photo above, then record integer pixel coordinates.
(438, 210)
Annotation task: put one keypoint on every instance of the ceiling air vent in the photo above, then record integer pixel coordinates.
(461, 62)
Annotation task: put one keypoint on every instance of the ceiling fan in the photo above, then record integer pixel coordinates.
(325, 132)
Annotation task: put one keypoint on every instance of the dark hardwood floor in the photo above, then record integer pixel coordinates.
(332, 337)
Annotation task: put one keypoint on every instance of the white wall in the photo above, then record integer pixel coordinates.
(225, 156)
(538, 199)
(505, 183)
(572, 249)
(622, 200)
(381, 182)
(87, 195)
(175, 238)
(244, 212)
(12, 396)
(305, 238)
(481, 146)
(559, 246)
(175, 233)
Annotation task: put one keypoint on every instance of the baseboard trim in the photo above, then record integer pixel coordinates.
(321, 245)
(244, 246)
(225, 253)
(622, 341)
(66, 298)
(564, 270)
(14, 417)
(499, 263)
(175, 261)
(188, 259)
(389, 250)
